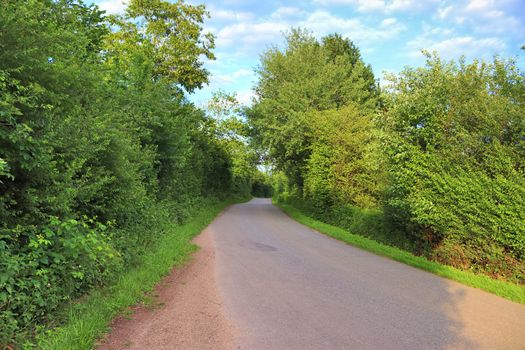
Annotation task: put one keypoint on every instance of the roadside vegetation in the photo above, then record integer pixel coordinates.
(106, 170)
(83, 323)
(433, 163)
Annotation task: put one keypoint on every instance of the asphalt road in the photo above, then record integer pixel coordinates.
(286, 286)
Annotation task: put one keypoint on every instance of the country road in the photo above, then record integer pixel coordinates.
(263, 281)
(288, 287)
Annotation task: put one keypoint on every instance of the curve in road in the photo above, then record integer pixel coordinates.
(288, 287)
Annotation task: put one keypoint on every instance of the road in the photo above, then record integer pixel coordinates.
(286, 286)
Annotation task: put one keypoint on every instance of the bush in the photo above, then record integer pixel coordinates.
(440, 171)
(58, 262)
(457, 161)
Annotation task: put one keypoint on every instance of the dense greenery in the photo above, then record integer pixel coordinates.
(434, 164)
(99, 149)
(456, 145)
(306, 77)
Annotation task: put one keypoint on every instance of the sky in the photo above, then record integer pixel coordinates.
(389, 33)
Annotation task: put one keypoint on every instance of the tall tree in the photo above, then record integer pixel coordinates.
(306, 76)
(169, 35)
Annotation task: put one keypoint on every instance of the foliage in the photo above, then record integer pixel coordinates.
(315, 119)
(100, 152)
(306, 76)
(345, 165)
(87, 320)
(4, 169)
(60, 261)
(456, 145)
(227, 118)
(169, 35)
(261, 186)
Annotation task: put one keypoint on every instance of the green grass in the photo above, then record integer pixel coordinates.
(504, 289)
(88, 319)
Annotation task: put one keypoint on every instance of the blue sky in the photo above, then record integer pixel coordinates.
(389, 33)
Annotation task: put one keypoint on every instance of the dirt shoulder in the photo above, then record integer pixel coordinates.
(186, 313)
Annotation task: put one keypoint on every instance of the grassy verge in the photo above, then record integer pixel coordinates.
(506, 290)
(88, 319)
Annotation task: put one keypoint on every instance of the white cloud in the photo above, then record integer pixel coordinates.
(444, 12)
(248, 35)
(226, 15)
(479, 5)
(430, 32)
(113, 7)
(402, 5)
(287, 12)
(483, 16)
(388, 22)
(230, 78)
(467, 45)
(245, 97)
(362, 5)
(322, 23)
(370, 5)
(381, 5)
(457, 46)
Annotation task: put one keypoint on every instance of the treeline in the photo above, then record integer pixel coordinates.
(433, 163)
(100, 152)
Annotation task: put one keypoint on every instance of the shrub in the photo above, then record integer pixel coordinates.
(456, 148)
(42, 267)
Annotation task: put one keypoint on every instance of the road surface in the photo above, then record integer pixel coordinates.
(286, 286)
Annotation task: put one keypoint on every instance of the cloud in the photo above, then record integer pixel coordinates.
(230, 78)
(227, 15)
(249, 36)
(455, 47)
(388, 22)
(484, 16)
(113, 7)
(323, 22)
(245, 97)
(479, 5)
(287, 12)
(385, 6)
(390, 33)
(444, 12)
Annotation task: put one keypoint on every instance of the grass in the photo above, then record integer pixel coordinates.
(88, 319)
(506, 290)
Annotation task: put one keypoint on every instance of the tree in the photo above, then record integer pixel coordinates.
(100, 152)
(346, 165)
(227, 115)
(166, 37)
(306, 76)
